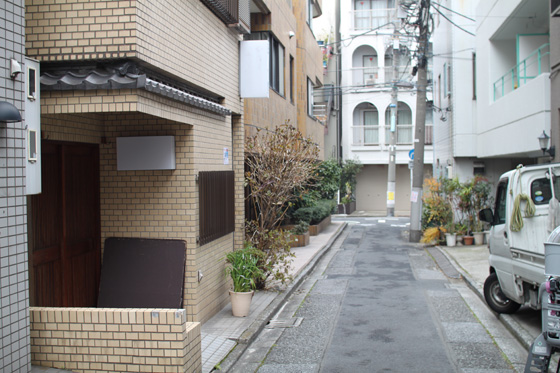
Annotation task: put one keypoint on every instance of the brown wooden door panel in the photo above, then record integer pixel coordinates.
(65, 227)
(47, 279)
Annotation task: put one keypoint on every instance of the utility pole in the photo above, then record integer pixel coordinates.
(391, 177)
(419, 133)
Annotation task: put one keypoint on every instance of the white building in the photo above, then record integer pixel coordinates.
(368, 31)
(513, 67)
(491, 85)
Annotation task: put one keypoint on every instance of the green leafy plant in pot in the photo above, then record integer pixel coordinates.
(243, 269)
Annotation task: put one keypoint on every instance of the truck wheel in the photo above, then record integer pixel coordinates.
(495, 298)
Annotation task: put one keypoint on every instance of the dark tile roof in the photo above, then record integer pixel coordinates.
(120, 78)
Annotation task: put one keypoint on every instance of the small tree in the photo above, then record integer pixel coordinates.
(280, 165)
(327, 182)
(350, 169)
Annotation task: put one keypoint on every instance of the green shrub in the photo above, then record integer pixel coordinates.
(301, 227)
(315, 214)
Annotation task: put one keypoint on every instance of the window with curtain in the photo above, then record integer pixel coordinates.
(371, 127)
(404, 124)
(369, 14)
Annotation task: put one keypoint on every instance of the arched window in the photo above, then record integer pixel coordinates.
(404, 67)
(403, 124)
(366, 125)
(365, 66)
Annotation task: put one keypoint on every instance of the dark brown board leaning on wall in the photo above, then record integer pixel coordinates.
(142, 273)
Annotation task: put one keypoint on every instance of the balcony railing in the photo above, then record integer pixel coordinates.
(365, 135)
(234, 13)
(535, 64)
(372, 18)
(404, 134)
(369, 135)
(375, 76)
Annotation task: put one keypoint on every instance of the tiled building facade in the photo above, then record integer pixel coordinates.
(14, 300)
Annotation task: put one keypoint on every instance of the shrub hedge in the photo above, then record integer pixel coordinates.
(315, 214)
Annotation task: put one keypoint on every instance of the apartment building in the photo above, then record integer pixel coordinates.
(295, 68)
(513, 71)
(139, 123)
(375, 57)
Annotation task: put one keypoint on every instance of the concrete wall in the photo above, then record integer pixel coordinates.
(14, 288)
(115, 340)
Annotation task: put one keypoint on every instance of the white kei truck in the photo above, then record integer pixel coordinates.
(525, 212)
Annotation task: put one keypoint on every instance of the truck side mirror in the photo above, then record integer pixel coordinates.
(486, 215)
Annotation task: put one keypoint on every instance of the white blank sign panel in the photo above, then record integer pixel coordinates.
(146, 153)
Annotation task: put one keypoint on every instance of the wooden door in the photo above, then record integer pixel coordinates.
(64, 227)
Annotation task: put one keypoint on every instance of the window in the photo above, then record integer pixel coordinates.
(444, 81)
(370, 69)
(276, 65)
(500, 207)
(31, 83)
(216, 204)
(370, 14)
(371, 127)
(439, 90)
(474, 76)
(448, 87)
(541, 190)
(309, 12)
(292, 79)
(277, 58)
(310, 97)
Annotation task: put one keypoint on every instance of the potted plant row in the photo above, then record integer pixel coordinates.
(300, 234)
(242, 267)
(452, 206)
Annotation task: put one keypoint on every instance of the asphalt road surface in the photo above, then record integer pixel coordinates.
(376, 303)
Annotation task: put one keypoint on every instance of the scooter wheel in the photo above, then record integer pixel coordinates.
(496, 299)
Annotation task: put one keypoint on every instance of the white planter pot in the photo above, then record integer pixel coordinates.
(478, 238)
(450, 239)
(240, 303)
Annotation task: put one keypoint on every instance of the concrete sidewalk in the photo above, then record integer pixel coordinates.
(223, 332)
(472, 263)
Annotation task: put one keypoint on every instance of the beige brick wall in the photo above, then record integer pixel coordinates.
(171, 36)
(115, 340)
(276, 110)
(158, 204)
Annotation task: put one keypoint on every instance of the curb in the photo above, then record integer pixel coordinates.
(509, 322)
(260, 322)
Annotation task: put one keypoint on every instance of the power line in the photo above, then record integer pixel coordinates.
(452, 11)
(453, 23)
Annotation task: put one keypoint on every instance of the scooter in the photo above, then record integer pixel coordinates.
(548, 342)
